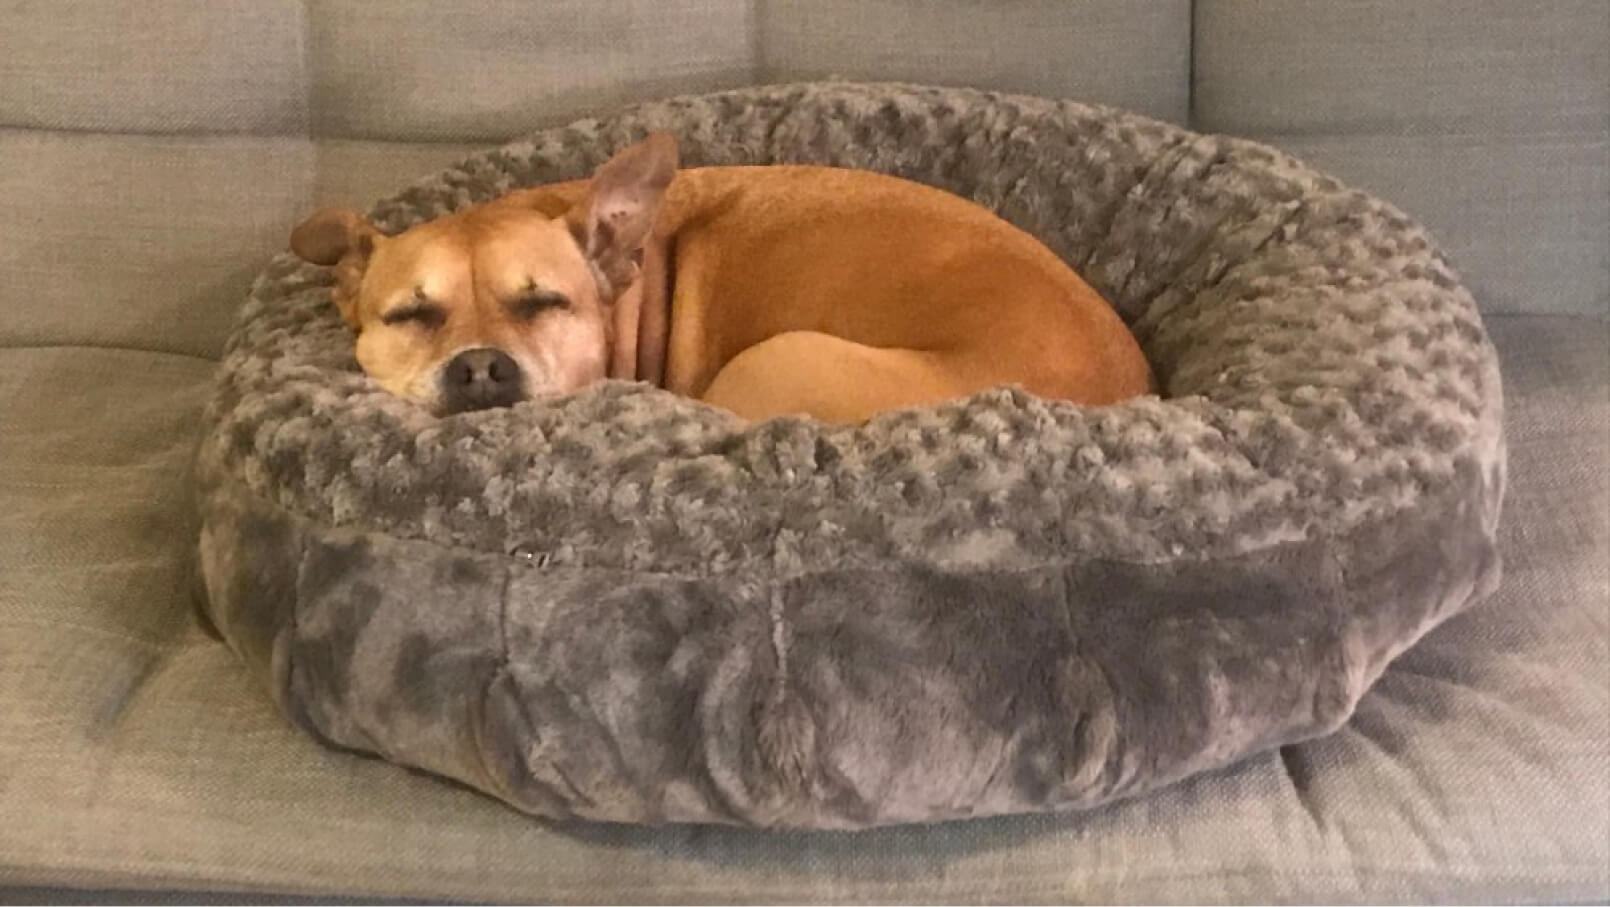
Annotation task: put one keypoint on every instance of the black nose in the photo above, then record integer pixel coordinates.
(481, 378)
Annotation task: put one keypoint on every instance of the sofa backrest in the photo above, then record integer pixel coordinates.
(156, 153)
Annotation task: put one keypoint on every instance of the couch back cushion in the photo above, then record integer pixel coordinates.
(158, 153)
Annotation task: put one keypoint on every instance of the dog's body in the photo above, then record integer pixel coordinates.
(764, 290)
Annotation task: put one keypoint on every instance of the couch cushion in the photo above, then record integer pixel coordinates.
(1489, 121)
(133, 240)
(1133, 55)
(168, 149)
(421, 70)
(157, 66)
(1383, 67)
(141, 754)
(1525, 219)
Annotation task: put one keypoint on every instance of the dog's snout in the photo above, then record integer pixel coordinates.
(481, 378)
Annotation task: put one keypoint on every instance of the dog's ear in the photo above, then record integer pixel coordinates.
(340, 237)
(331, 234)
(613, 220)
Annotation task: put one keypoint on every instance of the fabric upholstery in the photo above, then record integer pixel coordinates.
(1134, 55)
(135, 752)
(1477, 768)
(1521, 116)
(1524, 217)
(421, 70)
(149, 242)
(1490, 121)
(1443, 67)
(166, 66)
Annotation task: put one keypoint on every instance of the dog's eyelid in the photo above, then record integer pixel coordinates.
(535, 301)
(419, 310)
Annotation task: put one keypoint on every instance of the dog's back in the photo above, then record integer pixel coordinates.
(843, 293)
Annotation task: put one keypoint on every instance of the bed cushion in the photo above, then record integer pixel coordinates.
(126, 717)
(627, 606)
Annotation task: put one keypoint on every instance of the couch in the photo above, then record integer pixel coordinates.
(156, 154)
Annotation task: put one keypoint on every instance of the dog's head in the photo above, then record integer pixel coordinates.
(497, 303)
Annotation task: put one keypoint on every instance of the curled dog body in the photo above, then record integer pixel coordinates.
(767, 291)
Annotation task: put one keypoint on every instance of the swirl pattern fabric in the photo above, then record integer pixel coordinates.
(624, 605)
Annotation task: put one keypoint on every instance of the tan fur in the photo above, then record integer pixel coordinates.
(764, 290)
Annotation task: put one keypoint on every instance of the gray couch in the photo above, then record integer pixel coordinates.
(155, 154)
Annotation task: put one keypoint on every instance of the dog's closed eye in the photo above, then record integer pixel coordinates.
(425, 314)
(529, 305)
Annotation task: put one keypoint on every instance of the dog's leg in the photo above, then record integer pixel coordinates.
(836, 380)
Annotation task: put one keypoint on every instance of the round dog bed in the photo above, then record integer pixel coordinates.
(624, 605)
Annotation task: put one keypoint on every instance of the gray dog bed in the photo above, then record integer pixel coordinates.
(622, 605)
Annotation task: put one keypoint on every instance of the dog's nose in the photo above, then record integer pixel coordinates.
(481, 378)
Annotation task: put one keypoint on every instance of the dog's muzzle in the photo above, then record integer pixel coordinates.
(481, 379)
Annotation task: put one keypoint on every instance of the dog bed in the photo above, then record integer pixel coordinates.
(624, 605)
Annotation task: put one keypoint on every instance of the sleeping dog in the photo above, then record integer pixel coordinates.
(766, 291)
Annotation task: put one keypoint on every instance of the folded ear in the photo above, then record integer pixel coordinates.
(613, 220)
(340, 237)
(331, 234)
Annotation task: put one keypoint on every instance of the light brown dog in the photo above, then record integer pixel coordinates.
(764, 290)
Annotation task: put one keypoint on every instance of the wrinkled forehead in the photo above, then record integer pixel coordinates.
(527, 238)
(493, 251)
(428, 257)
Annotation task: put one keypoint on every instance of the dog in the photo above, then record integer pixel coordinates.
(766, 291)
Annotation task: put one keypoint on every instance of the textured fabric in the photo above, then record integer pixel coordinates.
(1526, 220)
(1513, 95)
(165, 66)
(1477, 768)
(151, 242)
(184, 774)
(421, 71)
(424, 70)
(1126, 53)
(996, 605)
(139, 242)
(1462, 67)
(1489, 120)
